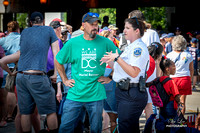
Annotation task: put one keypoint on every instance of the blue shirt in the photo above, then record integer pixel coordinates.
(34, 45)
(10, 44)
(195, 54)
(69, 36)
(168, 47)
(67, 67)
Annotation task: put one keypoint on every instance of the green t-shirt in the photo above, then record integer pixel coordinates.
(84, 56)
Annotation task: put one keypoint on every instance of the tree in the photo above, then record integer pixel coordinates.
(156, 16)
(22, 20)
(110, 12)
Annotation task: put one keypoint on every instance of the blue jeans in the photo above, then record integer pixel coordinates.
(110, 105)
(168, 111)
(73, 109)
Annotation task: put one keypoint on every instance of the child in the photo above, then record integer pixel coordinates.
(168, 45)
(168, 68)
(196, 57)
(155, 52)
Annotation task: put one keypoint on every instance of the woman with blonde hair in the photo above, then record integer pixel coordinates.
(108, 34)
(184, 68)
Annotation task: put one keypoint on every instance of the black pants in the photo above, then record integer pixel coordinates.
(130, 105)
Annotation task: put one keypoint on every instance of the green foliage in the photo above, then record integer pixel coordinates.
(22, 19)
(156, 16)
(64, 17)
(110, 12)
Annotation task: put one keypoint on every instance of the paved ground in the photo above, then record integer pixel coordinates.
(192, 104)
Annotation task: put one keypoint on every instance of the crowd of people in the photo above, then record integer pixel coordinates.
(93, 79)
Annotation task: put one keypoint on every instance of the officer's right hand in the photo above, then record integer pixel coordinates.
(69, 83)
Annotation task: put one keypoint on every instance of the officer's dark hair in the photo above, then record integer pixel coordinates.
(155, 50)
(165, 63)
(136, 24)
(138, 14)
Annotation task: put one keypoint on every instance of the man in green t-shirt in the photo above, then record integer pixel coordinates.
(84, 53)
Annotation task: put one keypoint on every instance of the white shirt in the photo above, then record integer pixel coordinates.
(150, 36)
(182, 64)
(135, 54)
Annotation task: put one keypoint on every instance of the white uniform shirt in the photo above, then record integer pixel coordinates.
(182, 64)
(150, 36)
(135, 54)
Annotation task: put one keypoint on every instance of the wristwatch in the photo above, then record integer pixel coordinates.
(110, 76)
(117, 57)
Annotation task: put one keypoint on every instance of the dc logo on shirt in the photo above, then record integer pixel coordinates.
(137, 52)
(88, 58)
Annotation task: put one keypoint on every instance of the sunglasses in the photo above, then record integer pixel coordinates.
(91, 14)
(155, 44)
(134, 17)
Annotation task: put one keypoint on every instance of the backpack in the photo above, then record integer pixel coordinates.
(159, 96)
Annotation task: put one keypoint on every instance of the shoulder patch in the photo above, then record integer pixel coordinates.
(137, 52)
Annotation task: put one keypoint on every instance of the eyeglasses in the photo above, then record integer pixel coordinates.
(134, 17)
(91, 14)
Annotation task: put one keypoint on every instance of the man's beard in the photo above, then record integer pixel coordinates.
(93, 35)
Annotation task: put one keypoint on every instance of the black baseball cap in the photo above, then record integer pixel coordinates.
(91, 17)
(36, 16)
(55, 24)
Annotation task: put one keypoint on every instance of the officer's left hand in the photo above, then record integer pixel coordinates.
(104, 80)
(109, 57)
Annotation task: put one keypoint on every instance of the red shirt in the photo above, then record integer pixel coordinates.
(108, 66)
(171, 89)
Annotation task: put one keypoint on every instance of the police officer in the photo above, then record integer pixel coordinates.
(129, 73)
